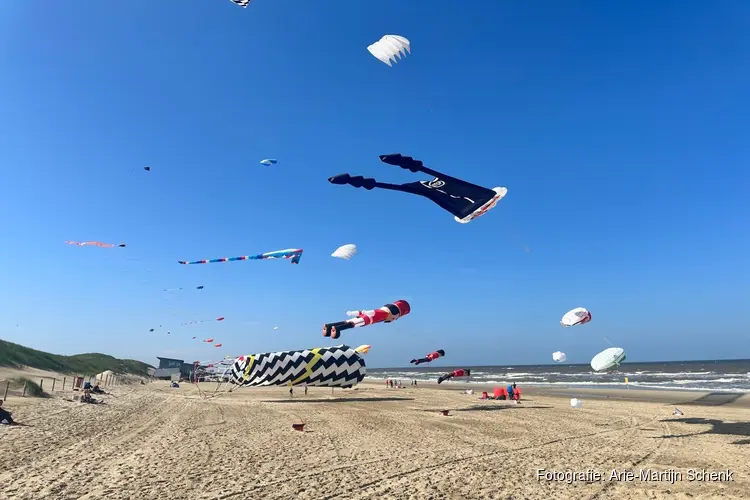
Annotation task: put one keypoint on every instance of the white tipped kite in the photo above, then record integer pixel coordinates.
(345, 252)
(241, 3)
(574, 317)
(389, 48)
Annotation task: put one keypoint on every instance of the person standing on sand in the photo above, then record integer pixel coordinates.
(291, 391)
(305, 389)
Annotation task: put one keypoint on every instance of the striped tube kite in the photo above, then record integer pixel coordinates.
(338, 366)
(386, 314)
(294, 254)
(466, 201)
(95, 244)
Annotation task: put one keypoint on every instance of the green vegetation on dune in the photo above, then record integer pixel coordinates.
(80, 364)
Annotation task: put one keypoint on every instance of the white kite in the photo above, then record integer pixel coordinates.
(577, 316)
(268, 162)
(389, 48)
(559, 356)
(608, 358)
(345, 252)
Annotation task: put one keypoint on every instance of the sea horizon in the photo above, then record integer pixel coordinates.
(729, 375)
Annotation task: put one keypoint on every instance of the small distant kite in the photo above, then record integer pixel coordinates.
(268, 162)
(464, 200)
(208, 341)
(275, 327)
(345, 251)
(199, 287)
(294, 254)
(241, 3)
(608, 358)
(455, 373)
(390, 48)
(95, 244)
(559, 356)
(220, 318)
(363, 349)
(338, 366)
(217, 345)
(151, 330)
(147, 169)
(575, 317)
(430, 357)
(386, 314)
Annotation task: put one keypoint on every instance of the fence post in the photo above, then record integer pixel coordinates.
(53, 384)
(64, 379)
(7, 386)
(41, 384)
(24, 389)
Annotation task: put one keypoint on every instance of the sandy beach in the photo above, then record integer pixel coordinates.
(150, 441)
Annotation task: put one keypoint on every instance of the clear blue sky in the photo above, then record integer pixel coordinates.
(621, 132)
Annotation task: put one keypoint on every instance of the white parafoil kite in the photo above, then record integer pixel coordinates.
(268, 162)
(577, 316)
(389, 48)
(345, 252)
(559, 356)
(608, 358)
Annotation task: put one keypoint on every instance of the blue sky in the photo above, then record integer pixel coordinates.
(620, 131)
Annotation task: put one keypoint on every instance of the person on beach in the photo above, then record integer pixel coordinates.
(291, 391)
(305, 389)
(5, 415)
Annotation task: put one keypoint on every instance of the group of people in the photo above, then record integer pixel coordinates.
(389, 383)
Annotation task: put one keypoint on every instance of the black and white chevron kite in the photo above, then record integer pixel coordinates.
(338, 366)
(241, 3)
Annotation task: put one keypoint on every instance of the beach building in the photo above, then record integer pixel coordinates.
(170, 368)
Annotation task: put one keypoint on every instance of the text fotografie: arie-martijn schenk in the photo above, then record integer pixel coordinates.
(668, 475)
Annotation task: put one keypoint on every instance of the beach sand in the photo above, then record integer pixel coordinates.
(150, 441)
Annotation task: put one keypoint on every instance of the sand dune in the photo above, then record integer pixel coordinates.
(154, 442)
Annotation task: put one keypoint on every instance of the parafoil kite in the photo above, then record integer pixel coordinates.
(151, 330)
(430, 357)
(363, 349)
(559, 356)
(294, 254)
(268, 162)
(208, 341)
(95, 244)
(464, 200)
(217, 345)
(345, 252)
(461, 372)
(199, 287)
(241, 3)
(390, 48)
(220, 318)
(338, 366)
(574, 317)
(147, 169)
(386, 314)
(608, 358)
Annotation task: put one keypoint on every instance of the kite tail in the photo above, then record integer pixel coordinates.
(363, 182)
(410, 164)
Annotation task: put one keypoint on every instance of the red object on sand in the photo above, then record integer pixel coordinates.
(444, 412)
(298, 427)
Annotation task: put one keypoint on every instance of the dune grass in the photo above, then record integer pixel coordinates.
(16, 355)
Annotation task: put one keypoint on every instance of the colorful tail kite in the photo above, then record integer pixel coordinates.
(430, 357)
(338, 366)
(464, 200)
(95, 244)
(386, 314)
(455, 373)
(220, 318)
(294, 254)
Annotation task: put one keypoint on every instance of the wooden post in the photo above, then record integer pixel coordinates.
(41, 385)
(53, 384)
(7, 386)
(63, 387)
(24, 389)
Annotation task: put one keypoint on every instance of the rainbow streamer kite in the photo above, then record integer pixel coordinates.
(94, 244)
(294, 254)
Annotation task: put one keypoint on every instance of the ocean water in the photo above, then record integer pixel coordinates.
(719, 375)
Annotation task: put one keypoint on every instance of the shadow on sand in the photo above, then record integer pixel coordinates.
(714, 399)
(336, 400)
(483, 408)
(717, 427)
